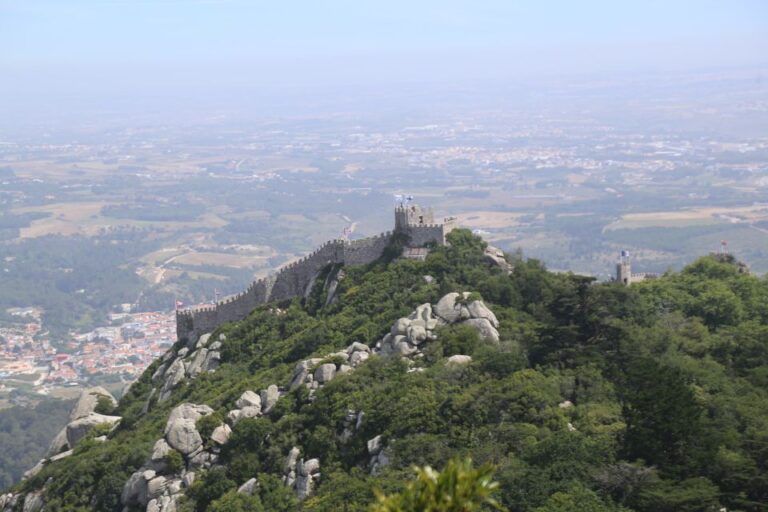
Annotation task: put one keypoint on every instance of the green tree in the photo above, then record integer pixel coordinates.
(577, 498)
(213, 484)
(457, 488)
(662, 416)
(236, 502)
(691, 495)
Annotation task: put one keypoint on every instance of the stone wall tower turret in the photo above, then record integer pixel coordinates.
(624, 269)
(407, 215)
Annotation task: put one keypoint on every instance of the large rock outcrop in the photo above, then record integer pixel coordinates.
(85, 406)
(199, 356)
(408, 334)
(316, 372)
(495, 257)
(181, 430)
(301, 475)
(157, 487)
(88, 401)
(78, 429)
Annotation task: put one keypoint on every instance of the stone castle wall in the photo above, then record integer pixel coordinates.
(296, 279)
(426, 234)
(361, 252)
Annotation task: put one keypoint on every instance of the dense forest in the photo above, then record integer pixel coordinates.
(25, 433)
(598, 397)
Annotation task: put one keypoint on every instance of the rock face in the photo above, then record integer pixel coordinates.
(181, 431)
(352, 422)
(325, 373)
(159, 452)
(452, 309)
(248, 487)
(299, 475)
(188, 411)
(85, 406)
(221, 434)
(76, 430)
(183, 436)
(174, 375)
(484, 327)
(379, 458)
(249, 399)
(459, 359)
(314, 374)
(309, 473)
(59, 443)
(135, 489)
(289, 468)
(409, 334)
(35, 470)
(196, 365)
(495, 257)
(62, 455)
(449, 311)
(478, 310)
(186, 363)
(8, 501)
(157, 493)
(33, 502)
(88, 401)
(252, 404)
(374, 445)
(160, 492)
(269, 398)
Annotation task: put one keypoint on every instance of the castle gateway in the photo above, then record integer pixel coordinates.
(296, 279)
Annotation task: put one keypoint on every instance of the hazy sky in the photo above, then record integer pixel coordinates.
(50, 47)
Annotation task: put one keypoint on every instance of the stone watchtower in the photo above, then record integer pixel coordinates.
(624, 269)
(419, 224)
(624, 272)
(407, 216)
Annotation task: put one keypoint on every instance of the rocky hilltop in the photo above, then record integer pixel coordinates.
(600, 396)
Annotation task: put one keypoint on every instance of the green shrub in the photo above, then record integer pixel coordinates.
(104, 405)
(458, 339)
(174, 461)
(207, 424)
(457, 488)
(213, 484)
(102, 429)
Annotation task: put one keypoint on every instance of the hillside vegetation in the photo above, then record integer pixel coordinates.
(25, 433)
(597, 397)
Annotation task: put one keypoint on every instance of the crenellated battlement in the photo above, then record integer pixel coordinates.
(296, 278)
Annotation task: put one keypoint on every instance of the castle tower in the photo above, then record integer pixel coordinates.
(407, 215)
(624, 269)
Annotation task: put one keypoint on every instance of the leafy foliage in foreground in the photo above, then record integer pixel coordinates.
(599, 397)
(457, 488)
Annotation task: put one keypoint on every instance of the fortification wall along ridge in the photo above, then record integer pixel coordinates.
(297, 278)
(361, 252)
